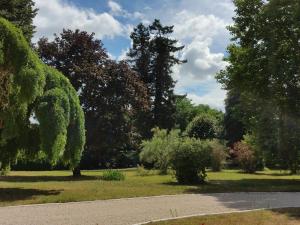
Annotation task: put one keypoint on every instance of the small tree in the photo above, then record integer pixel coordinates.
(218, 155)
(203, 126)
(247, 155)
(157, 150)
(189, 159)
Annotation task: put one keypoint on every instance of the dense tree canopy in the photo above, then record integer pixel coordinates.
(186, 111)
(34, 90)
(264, 68)
(20, 13)
(112, 95)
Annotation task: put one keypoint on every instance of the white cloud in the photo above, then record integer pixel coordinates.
(200, 33)
(123, 55)
(190, 26)
(202, 63)
(55, 15)
(114, 7)
(214, 98)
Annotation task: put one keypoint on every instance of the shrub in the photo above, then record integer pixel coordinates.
(218, 155)
(203, 126)
(189, 160)
(157, 150)
(4, 169)
(245, 157)
(110, 175)
(141, 171)
(248, 155)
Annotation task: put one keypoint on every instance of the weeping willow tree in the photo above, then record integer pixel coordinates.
(39, 109)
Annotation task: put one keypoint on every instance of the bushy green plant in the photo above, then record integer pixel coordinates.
(113, 175)
(4, 170)
(203, 126)
(157, 150)
(218, 155)
(189, 160)
(141, 171)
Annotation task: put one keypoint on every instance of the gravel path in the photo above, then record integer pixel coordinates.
(138, 210)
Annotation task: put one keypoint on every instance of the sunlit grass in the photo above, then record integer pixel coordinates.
(59, 186)
(266, 217)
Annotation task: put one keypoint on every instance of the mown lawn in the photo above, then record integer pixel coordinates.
(266, 217)
(59, 186)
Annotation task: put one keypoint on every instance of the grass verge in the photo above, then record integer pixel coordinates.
(289, 216)
(59, 186)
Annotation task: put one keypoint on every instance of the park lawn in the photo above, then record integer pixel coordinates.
(59, 186)
(264, 217)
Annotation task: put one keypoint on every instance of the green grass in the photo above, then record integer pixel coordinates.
(264, 217)
(59, 186)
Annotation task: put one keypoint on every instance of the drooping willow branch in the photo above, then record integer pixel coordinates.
(30, 88)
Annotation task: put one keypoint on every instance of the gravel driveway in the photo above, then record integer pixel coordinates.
(138, 210)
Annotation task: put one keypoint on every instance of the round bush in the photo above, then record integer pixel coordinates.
(189, 160)
(203, 126)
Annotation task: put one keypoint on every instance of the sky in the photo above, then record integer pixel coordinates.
(199, 25)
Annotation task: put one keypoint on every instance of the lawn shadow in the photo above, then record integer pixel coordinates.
(236, 194)
(46, 178)
(293, 213)
(16, 194)
(242, 185)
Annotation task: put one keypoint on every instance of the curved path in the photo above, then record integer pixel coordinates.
(138, 210)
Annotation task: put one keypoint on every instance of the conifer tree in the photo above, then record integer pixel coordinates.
(21, 13)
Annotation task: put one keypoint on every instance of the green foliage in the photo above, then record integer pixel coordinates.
(141, 171)
(186, 111)
(234, 124)
(218, 155)
(37, 90)
(189, 159)
(264, 62)
(247, 155)
(204, 126)
(112, 96)
(113, 175)
(21, 13)
(153, 55)
(157, 150)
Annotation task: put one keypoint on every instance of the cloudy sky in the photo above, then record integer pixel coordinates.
(200, 25)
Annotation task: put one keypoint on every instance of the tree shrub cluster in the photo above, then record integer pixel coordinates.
(188, 157)
(264, 62)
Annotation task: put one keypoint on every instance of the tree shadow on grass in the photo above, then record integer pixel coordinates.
(293, 213)
(243, 185)
(46, 178)
(15, 194)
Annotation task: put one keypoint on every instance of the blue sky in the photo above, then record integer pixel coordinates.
(200, 25)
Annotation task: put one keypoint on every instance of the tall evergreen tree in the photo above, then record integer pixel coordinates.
(153, 55)
(140, 59)
(21, 13)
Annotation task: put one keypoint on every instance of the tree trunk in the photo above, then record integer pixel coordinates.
(76, 172)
